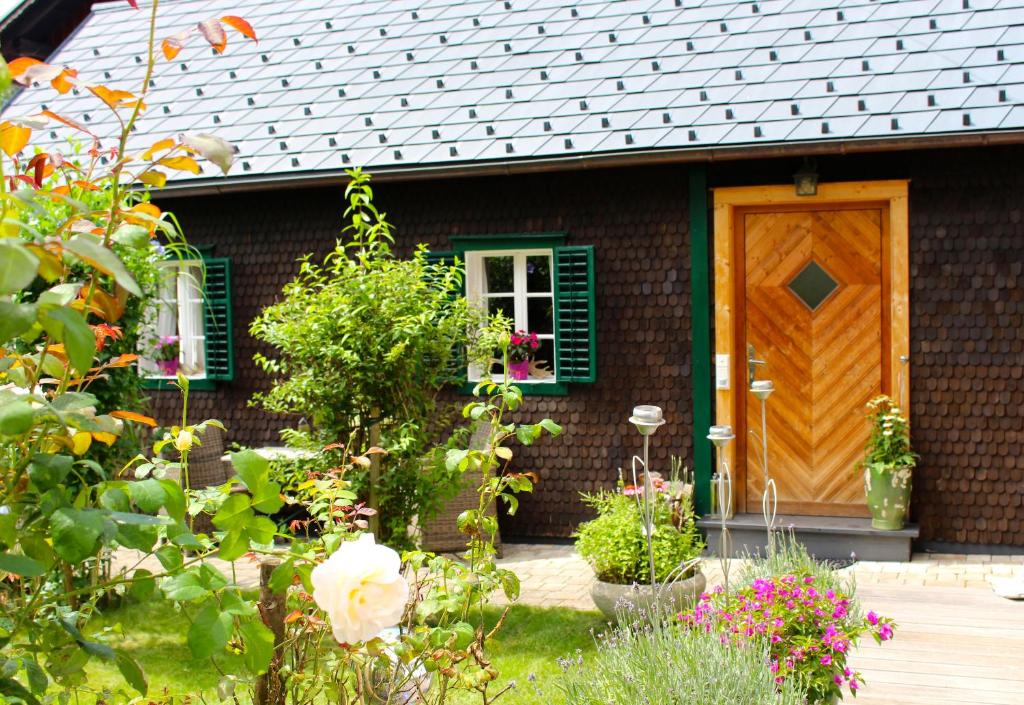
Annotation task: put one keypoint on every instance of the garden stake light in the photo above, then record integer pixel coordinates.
(762, 389)
(720, 436)
(647, 420)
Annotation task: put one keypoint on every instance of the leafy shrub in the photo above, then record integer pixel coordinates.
(615, 546)
(360, 345)
(662, 665)
(888, 448)
(809, 630)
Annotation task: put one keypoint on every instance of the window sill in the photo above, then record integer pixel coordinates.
(201, 384)
(530, 389)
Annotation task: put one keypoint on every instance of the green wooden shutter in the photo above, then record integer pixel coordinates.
(575, 314)
(220, 349)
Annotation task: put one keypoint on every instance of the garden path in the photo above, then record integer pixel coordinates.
(956, 644)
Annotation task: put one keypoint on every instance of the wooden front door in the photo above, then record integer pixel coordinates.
(815, 305)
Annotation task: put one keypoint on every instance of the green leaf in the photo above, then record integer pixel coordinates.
(267, 498)
(141, 538)
(233, 603)
(11, 688)
(261, 529)
(131, 235)
(132, 671)
(528, 433)
(281, 577)
(209, 632)
(252, 468)
(149, 494)
(551, 427)
(234, 545)
(509, 583)
(76, 533)
(142, 585)
(169, 557)
(15, 319)
(259, 646)
(17, 266)
(21, 565)
(15, 418)
(234, 513)
(48, 471)
(88, 249)
(69, 327)
(37, 679)
(174, 499)
(184, 587)
(503, 452)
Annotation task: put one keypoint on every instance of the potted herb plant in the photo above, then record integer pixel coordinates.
(615, 546)
(522, 347)
(168, 349)
(888, 465)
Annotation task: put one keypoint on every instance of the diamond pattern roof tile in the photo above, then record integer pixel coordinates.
(442, 81)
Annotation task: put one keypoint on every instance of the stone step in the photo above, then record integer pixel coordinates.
(835, 538)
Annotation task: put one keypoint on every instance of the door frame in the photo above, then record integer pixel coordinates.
(729, 265)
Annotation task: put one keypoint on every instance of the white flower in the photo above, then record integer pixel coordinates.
(886, 433)
(361, 589)
(184, 440)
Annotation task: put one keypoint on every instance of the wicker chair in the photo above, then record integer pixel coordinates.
(206, 469)
(440, 534)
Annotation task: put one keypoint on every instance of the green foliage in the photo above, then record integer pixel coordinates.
(615, 546)
(362, 342)
(641, 663)
(889, 445)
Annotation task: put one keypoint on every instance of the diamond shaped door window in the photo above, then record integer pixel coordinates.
(813, 285)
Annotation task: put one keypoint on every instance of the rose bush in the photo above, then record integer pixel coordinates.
(361, 588)
(809, 632)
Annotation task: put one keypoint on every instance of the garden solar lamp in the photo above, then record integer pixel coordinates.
(762, 389)
(720, 437)
(647, 420)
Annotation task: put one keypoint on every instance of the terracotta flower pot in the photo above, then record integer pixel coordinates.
(519, 370)
(888, 495)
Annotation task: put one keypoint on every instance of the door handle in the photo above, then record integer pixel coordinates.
(752, 363)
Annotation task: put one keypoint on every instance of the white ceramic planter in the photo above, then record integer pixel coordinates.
(673, 598)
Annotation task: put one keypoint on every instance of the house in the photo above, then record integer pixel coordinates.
(679, 195)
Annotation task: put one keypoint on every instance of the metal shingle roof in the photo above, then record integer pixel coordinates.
(391, 84)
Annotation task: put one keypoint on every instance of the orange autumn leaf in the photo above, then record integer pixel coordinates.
(66, 121)
(22, 64)
(13, 138)
(86, 185)
(64, 190)
(158, 146)
(132, 416)
(172, 46)
(123, 360)
(116, 98)
(108, 438)
(181, 164)
(27, 71)
(154, 178)
(241, 26)
(147, 208)
(63, 82)
(214, 33)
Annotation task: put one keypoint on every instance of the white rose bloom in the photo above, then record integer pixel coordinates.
(361, 589)
(184, 441)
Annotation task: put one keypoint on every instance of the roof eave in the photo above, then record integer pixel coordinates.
(236, 184)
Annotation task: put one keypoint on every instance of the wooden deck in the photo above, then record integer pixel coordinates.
(953, 646)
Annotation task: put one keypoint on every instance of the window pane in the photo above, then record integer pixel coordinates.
(545, 357)
(538, 273)
(498, 275)
(503, 304)
(540, 315)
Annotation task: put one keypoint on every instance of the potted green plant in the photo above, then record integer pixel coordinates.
(615, 546)
(522, 347)
(167, 351)
(888, 465)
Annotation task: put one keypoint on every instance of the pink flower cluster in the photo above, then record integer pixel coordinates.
(522, 345)
(809, 632)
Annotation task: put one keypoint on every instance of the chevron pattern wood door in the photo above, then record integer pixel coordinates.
(820, 335)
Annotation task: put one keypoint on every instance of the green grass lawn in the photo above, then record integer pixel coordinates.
(530, 642)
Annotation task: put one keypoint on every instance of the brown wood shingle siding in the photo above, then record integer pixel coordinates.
(967, 324)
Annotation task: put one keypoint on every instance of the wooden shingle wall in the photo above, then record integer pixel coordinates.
(967, 322)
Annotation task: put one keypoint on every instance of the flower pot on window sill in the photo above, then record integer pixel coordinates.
(168, 368)
(519, 370)
(888, 496)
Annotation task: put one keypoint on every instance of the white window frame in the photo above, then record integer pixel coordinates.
(188, 320)
(476, 295)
